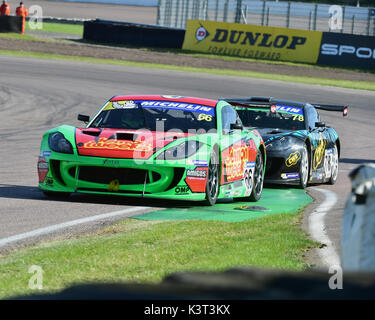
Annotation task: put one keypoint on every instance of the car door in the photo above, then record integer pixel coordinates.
(237, 147)
(319, 139)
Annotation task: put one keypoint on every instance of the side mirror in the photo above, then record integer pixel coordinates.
(320, 124)
(236, 126)
(84, 118)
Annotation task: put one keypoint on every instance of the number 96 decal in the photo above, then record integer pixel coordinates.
(204, 117)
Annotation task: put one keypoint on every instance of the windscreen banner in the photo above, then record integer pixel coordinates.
(251, 41)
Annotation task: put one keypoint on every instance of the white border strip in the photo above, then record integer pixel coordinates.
(68, 224)
(317, 228)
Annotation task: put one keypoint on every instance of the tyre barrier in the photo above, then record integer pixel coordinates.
(133, 34)
(236, 283)
(11, 24)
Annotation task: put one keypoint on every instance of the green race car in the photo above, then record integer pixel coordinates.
(157, 147)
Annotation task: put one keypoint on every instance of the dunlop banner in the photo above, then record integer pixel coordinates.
(252, 41)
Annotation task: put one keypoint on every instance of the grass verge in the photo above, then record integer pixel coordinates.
(363, 85)
(58, 28)
(17, 36)
(146, 251)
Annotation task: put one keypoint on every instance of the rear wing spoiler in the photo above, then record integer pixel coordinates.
(329, 107)
(262, 102)
(252, 101)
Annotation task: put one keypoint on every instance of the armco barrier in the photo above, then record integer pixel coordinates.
(253, 41)
(10, 24)
(133, 34)
(347, 50)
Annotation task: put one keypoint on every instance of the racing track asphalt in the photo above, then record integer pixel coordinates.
(37, 94)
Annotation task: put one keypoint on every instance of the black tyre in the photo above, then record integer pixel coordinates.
(304, 168)
(258, 178)
(212, 185)
(334, 166)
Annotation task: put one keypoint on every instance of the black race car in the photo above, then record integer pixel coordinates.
(301, 149)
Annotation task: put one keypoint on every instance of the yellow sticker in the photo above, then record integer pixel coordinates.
(108, 106)
(293, 159)
(114, 185)
(319, 152)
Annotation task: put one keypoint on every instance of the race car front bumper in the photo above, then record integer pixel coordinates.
(154, 179)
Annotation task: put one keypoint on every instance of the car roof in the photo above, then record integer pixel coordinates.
(191, 100)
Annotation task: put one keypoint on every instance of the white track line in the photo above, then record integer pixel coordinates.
(317, 228)
(68, 224)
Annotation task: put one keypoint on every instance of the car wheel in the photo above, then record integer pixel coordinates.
(304, 168)
(258, 179)
(60, 195)
(334, 166)
(212, 185)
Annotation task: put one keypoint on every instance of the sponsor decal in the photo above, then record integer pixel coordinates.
(124, 105)
(45, 154)
(196, 173)
(293, 159)
(332, 49)
(111, 144)
(197, 162)
(347, 50)
(252, 41)
(289, 109)
(289, 176)
(319, 152)
(178, 106)
(181, 189)
(114, 185)
(43, 169)
(109, 162)
(250, 164)
(196, 179)
(201, 33)
(172, 97)
(235, 159)
(316, 176)
(229, 194)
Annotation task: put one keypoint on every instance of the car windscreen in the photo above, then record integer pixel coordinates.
(282, 117)
(156, 116)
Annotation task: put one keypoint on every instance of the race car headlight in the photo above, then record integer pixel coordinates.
(181, 151)
(58, 143)
(280, 144)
